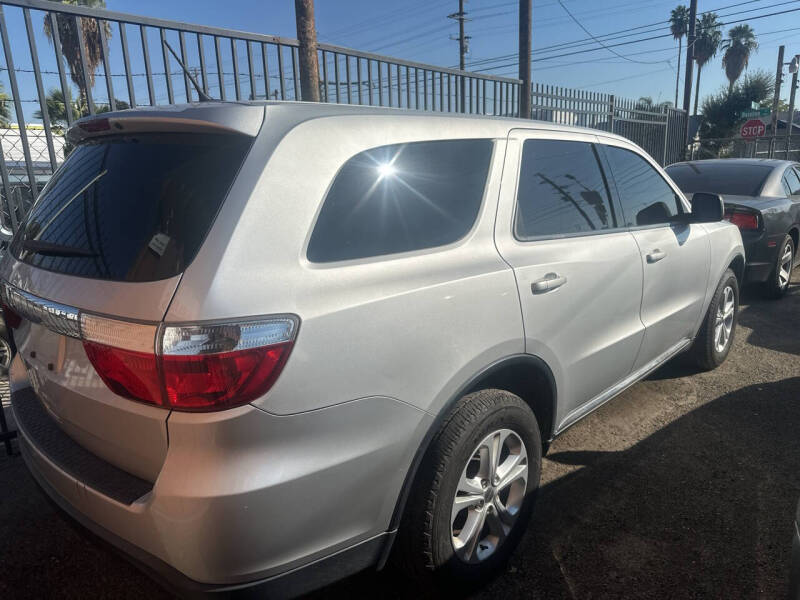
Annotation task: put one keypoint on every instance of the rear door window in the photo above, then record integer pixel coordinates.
(132, 208)
(645, 196)
(562, 190)
(400, 198)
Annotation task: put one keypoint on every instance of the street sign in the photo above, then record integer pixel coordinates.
(755, 113)
(753, 129)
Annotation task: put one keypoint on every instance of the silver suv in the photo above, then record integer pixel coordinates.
(272, 344)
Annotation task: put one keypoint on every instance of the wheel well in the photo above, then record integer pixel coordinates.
(531, 381)
(795, 235)
(737, 265)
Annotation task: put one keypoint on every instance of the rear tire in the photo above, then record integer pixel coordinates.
(715, 338)
(778, 283)
(457, 492)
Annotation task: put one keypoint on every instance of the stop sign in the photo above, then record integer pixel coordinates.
(753, 128)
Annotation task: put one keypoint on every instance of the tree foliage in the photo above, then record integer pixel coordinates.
(707, 42)
(720, 110)
(679, 27)
(741, 42)
(57, 108)
(70, 45)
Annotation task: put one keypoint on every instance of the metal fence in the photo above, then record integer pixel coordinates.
(659, 129)
(763, 147)
(78, 61)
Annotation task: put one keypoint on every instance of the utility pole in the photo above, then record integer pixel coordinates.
(795, 64)
(463, 48)
(525, 48)
(775, 99)
(687, 84)
(307, 38)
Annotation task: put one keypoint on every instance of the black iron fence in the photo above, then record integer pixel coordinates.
(65, 61)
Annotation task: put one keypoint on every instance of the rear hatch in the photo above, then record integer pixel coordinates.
(111, 235)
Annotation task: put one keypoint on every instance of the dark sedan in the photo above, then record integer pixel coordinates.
(762, 197)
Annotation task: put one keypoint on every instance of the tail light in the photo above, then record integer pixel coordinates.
(193, 367)
(743, 219)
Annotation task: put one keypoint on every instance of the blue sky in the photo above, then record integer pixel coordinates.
(420, 30)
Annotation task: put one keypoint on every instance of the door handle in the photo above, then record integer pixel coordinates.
(656, 255)
(549, 282)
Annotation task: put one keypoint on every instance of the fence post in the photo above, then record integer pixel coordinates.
(611, 111)
(666, 137)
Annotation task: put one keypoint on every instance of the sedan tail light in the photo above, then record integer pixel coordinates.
(189, 367)
(743, 219)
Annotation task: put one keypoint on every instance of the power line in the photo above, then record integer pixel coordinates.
(636, 41)
(614, 52)
(652, 28)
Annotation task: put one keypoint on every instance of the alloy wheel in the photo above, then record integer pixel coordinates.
(785, 267)
(5, 355)
(723, 325)
(490, 494)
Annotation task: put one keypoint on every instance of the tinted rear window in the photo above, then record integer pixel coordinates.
(133, 208)
(734, 178)
(400, 198)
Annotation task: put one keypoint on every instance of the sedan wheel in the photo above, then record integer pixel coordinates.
(778, 283)
(785, 266)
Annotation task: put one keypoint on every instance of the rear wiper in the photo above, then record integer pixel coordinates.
(50, 249)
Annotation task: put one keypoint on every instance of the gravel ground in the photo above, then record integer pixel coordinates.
(683, 486)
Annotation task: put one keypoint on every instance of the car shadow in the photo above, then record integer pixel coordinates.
(702, 508)
(769, 319)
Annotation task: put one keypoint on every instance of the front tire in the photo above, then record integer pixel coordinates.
(715, 338)
(474, 493)
(778, 283)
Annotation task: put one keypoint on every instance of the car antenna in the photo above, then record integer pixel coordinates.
(201, 94)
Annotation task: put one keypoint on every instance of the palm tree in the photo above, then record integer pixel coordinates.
(92, 42)
(706, 44)
(679, 26)
(57, 108)
(646, 103)
(740, 43)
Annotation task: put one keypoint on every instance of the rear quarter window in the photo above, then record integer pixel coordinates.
(400, 198)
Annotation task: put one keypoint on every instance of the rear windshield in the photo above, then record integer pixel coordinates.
(132, 208)
(733, 179)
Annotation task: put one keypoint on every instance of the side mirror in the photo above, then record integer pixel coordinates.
(707, 208)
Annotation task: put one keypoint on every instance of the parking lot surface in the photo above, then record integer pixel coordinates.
(683, 486)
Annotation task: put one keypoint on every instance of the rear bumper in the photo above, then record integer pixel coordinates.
(286, 585)
(245, 500)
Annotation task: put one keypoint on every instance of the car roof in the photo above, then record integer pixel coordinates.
(767, 162)
(292, 113)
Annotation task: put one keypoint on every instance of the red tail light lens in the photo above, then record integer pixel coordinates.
(743, 220)
(217, 381)
(128, 373)
(202, 367)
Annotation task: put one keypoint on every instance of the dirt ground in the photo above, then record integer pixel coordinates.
(684, 486)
